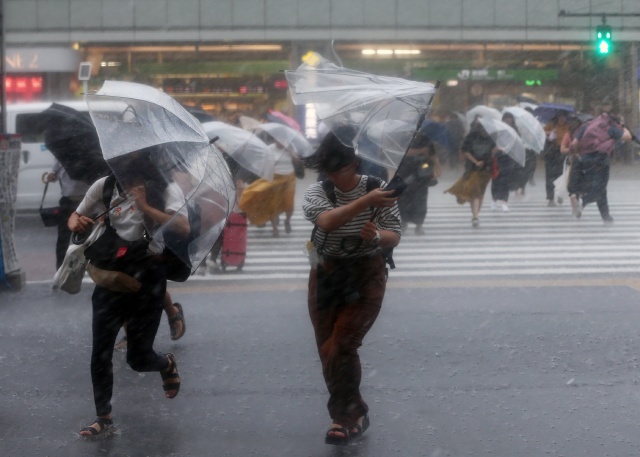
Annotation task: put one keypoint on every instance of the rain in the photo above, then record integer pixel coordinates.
(319, 228)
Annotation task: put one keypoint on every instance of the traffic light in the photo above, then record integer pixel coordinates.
(604, 39)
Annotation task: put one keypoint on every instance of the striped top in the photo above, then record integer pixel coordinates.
(346, 241)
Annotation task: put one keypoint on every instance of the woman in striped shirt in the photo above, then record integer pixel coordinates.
(354, 222)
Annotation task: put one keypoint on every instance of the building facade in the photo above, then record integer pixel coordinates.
(228, 55)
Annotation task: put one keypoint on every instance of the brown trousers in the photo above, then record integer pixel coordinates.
(339, 331)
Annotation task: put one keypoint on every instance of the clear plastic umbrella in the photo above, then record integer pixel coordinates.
(505, 137)
(242, 146)
(288, 137)
(351, 102)
(147, 136)
(482, 111)
(249, 123)
(530, 129)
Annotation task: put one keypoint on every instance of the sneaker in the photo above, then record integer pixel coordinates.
(475, 222)
(505, 208)
(551, 203)
(608, 220)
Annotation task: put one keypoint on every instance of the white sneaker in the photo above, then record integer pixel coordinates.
(505, 208)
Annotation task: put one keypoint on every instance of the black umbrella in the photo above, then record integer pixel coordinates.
(72, 138)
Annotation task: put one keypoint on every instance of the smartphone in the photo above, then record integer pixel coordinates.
(396, 184)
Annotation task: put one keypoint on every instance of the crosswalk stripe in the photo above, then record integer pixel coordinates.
(530, 240)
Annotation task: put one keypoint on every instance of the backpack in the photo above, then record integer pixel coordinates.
(596, 136)
(373, 182)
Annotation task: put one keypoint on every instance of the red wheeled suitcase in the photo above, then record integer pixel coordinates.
(234, 242)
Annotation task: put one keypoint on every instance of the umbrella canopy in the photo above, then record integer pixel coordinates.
(277, 116)
(505, 137)
(530, 129)
(483, 112)
(289, 138)
(547, 111)
(242, 146)
(145, 134)
(349, 102)
(72, 138)
(249, 123)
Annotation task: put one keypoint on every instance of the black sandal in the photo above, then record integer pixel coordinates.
(178, 317)
(337, 440)
(360, 429)
(104, 428)
(171, 374)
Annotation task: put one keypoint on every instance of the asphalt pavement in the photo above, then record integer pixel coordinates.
(449, 369)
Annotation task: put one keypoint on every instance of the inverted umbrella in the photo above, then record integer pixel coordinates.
(72, 138)
(145, 134)
(242, 146)
(530, 129)
(505, 138)
(349, 102)
(289, 138)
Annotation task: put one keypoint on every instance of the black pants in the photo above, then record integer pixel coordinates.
(142, 311)
(553, 163)
(595, 168)
(67, 207)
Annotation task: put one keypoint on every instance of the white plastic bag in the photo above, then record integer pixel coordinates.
(70, 274)
(561, 183)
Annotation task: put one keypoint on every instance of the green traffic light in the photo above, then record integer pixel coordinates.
(603, 39)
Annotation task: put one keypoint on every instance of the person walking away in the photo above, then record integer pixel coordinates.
(420, 169)
(145, 196)
(478, 150)
(553, 159)
(353, 225)
(595, 143)
(72, 193)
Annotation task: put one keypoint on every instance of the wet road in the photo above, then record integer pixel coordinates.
(447, 371)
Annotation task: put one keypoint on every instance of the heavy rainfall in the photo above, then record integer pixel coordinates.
(319, 228)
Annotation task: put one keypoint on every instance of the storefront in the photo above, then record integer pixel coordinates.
(40, 73)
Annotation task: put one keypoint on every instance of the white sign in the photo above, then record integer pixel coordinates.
(84, 73)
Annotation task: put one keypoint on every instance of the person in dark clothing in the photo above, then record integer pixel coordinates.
(595, 143)
(141, 198)
(72, 193)
(420, 169)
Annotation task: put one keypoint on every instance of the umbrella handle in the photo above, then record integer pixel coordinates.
(214, 139)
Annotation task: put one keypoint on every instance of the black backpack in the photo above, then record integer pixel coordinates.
(373, 182)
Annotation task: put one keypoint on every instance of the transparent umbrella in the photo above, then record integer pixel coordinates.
(242, 146)
(147, 135)
(530, 128)
(505, 137)
(482, 111)
(351, 102)
(288, 137)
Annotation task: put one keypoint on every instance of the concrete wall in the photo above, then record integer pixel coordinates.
(131, 21)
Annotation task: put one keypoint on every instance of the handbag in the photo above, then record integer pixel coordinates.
(560, 184)
(50, 216)
(70, 274)
(112, 253)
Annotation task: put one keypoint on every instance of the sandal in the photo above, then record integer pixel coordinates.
(358, 429)
(101, 427)
(335, 439)
(178, 317)
(171, 374)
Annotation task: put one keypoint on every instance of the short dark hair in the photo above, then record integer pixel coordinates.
(331, 155)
